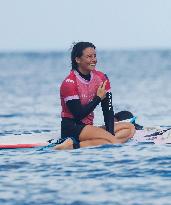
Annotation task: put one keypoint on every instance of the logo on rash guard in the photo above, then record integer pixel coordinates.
(110, 101)
(69, 81)
(84, 96)
(91, 96)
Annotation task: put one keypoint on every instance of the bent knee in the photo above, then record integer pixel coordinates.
(124, 125)
(132, 130)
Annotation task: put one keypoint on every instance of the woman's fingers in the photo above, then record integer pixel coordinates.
(104, 84)
(101, 92)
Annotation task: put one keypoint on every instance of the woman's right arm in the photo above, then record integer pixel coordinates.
(79, 111)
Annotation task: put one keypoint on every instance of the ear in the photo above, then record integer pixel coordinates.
(77, 60)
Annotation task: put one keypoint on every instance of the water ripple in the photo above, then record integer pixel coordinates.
(103, 175)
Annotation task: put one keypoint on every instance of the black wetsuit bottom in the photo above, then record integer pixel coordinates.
(71, 128)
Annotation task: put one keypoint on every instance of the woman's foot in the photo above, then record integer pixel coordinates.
(67, 144)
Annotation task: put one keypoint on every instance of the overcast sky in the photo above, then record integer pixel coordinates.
(42, 25)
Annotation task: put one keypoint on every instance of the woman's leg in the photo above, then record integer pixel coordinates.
(93, 136)
(94, 142)
(123, 132)
(124, 129)
(91, 132)
(68, 144)
(90, 136)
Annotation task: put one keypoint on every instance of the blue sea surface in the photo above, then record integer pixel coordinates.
(103, 175)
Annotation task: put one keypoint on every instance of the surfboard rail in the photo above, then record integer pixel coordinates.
(17, 146)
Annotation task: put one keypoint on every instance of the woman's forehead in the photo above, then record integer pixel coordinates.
(89, 51)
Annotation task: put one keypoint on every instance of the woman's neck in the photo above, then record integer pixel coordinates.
(83, 75)
(83, 71)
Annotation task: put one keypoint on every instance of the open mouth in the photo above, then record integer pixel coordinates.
(92, 64)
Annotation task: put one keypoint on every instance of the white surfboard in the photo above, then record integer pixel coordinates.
(27, 140)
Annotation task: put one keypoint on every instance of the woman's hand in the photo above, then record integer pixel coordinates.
(101, 92)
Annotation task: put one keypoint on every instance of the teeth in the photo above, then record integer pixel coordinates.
(92, 64)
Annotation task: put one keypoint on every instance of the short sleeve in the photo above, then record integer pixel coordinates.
(69, 90)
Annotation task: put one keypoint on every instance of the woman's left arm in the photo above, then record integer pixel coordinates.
(108, 112)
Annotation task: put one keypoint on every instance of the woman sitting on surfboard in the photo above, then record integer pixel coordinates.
(81, 91)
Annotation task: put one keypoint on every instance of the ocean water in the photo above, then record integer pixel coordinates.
(109, 174)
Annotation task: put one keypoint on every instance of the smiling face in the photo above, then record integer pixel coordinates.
(87, 62)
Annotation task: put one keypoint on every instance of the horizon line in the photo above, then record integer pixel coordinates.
(69, 50)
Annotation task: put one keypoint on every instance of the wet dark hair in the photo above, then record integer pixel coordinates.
(124, 115)
(77, 51)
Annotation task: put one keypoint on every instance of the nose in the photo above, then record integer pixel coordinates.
(94, 59)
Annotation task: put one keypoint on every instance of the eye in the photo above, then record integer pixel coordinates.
(88, 56)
